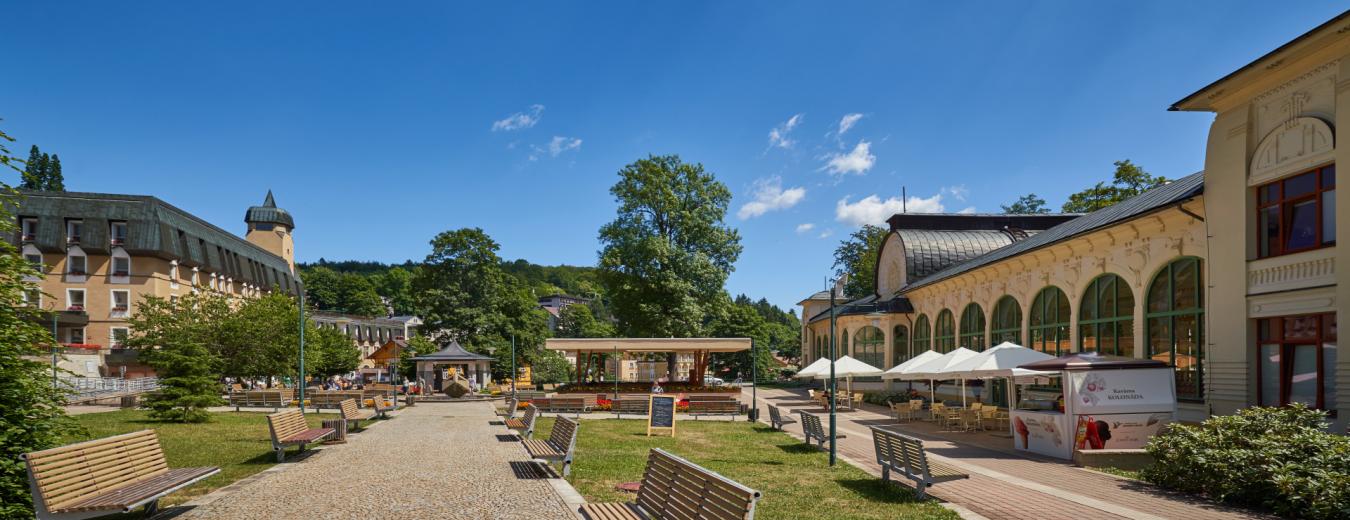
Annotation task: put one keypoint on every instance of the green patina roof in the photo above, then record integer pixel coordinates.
(269, 213)
(154, 228)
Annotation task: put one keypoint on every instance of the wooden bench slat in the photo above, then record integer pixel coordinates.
(126, 496)
(612, 512)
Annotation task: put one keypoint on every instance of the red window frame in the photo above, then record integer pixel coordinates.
(1272, 195)
(1270, 331)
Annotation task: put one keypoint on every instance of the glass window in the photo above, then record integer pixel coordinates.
(1297, 214)
(117, 336)
(869, 346)
(1007, 322)
(121, 300)
(29, 226)
(34, 261)
(1297, 360)
(119, 233)
(73, 230)
(1174, 323)
(841, 348)
(1048, 322)
(77, 336)
(899, 345)
(75, 299)
(76, 264)
(1106, 319)
(972, 327)
(944, 332)
(121, 266)
(921, 335)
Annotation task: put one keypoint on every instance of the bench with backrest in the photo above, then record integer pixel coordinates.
(353, 415)
(526, 422)
(382, 407)
(631, 404)
(776, 418)
(261, 398)
(904, 454)
(559, 445)
(288, 428)
(332, 398)
(713, 407)
(813, 429)
(509, 411)
(676, 488)
(105, 476)
(526, 396)
(556, 404)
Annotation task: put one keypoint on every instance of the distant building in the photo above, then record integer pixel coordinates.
(368, 334)
(555, 303)
(101, 253)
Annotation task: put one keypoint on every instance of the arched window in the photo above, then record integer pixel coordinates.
(972, 327)
(921, 334)
(899, 345)
(841, 349)
(944, 332)
(1175, 319)
(1049, 322)
(1106, 318)
(1007, 322)
(869, 346)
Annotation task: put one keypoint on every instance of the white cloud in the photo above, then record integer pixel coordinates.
(802, 228)
(872, 210)
(778, 136)
(857, 161)
(825, 234)
(555, 147)
(968, 210)
(957, 192)
(770, 196)
(519, 120)
(848, 121)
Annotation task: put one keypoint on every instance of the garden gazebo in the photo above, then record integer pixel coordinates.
(432, 368)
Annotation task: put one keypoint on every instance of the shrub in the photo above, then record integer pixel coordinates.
(1274, 458)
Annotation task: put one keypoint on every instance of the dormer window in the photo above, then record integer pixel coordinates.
(118, 233)
(75, 300)
(74, 228)
(76, 264)
(121, 266)
(28, 227)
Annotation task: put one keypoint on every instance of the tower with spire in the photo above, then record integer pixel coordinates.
(271, 228)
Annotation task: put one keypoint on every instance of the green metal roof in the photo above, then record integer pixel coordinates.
(269, 213)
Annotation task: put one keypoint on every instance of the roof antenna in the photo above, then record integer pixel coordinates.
(904, 201)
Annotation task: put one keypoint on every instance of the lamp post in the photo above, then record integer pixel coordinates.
(754, 382)
(492, 352)
(54, 343)
(515, 374)
(834, 394)
(301, 382)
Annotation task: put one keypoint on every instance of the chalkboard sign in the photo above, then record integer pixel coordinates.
(661, 413)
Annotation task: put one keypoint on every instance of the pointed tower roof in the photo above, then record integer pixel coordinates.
(269, 213)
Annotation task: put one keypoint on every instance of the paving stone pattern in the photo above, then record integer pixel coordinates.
(1005, 484)
(434, 460)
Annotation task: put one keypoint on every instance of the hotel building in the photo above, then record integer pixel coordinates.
(1230, 274)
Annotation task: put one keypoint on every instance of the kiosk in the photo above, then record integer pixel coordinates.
(1106, 402)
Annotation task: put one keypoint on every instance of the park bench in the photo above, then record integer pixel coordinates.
(382, 407)
(676, 488)
(812, 429)
(332, 398)
(559, 445)
(526, 396)
(560, 405)
(104, 476)
(261, 398)
(904, 455)
(288, 428)
(713, 407)
(510, 411)
(354, 415)
(776, 419)
(631, 404)
(526, 423)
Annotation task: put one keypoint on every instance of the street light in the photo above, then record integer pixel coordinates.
(492, 353)
(754, 382)
(301, 382)
(514, 373)
(834, 389)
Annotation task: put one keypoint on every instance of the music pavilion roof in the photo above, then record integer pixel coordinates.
(648, 344)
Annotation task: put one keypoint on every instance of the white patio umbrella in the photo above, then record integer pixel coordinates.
(848, 368)
(998, 361)
(897, 370)
(814, 368)
(936, 370)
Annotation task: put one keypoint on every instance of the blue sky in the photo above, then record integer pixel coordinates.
(380, 124)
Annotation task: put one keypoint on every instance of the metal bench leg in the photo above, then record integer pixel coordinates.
(885, 474)
(281, 454)
(567, 467)
(151, 509)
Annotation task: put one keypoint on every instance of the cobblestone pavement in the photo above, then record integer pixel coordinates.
(1004, 484)
(434, 460)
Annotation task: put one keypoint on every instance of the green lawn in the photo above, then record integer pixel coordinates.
(238, 443)
(795, 479)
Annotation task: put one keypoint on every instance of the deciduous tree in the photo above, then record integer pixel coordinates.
(1129, 180)
(1028, 204)
(856, 256)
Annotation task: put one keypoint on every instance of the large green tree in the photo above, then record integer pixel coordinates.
(189, 380)
(349, 293)
(577, 321)
(395, 285)
(1129, 180)
(31, 414)
(329, 352)
(856, 256)
(742, 321)
(668, 252)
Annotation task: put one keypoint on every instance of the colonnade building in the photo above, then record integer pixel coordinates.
(1229, 275)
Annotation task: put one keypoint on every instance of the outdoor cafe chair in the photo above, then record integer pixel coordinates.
(937, 412)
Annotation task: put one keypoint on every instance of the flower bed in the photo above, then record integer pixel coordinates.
(642, 388)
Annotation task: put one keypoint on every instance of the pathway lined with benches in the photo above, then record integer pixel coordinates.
(441, 460)
(1002, 485)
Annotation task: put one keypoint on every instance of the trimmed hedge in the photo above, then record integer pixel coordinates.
(1279, 459)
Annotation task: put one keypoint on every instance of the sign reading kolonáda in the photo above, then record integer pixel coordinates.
(661, 413)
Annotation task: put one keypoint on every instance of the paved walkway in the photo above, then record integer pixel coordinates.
(1005, 484)
(434, 460)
